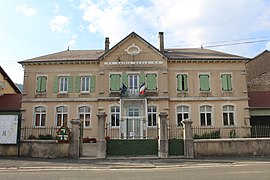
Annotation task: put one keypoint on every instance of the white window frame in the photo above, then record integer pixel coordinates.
(182, 112)
(115, 113)
(63, 84)
(205, 112)
(62, 113)
(84, 114)
(152, 114)
(228, 115)
(40, 113)
(85, 84)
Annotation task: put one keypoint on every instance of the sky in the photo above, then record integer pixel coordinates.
(32, 28)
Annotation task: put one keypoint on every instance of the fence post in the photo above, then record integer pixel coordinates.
(188, 138)
(163, 136)
(101, 142)
(74, 146)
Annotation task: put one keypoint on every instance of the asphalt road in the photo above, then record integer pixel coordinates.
(220, 171)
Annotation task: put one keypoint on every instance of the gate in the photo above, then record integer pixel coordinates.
(176, 141)
(133, 137)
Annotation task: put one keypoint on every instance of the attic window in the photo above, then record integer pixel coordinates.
(133, 50)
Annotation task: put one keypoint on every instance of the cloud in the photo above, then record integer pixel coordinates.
(60, 24)
(268, 46)
(72, 42)
(26, 10)
(185, 23)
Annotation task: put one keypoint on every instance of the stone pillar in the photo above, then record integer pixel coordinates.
(74, 146)
(101, 142)
(163, 136)
(188, 139)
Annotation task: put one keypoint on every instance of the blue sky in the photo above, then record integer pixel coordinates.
(31, 28)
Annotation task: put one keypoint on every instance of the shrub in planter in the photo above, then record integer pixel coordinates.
(92, 140)
(32, 136)
(86, 140)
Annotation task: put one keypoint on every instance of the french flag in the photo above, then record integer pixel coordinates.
(142, 89)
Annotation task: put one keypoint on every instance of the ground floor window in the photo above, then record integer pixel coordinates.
(61, 116)
(85, 115)
(182, 113)
(152, 115)
(115, 116)
(40, 116)
(228, 115)
(206, 115)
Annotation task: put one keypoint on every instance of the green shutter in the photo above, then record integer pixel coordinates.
(204, 82)
(43, 84)
(226, 82)
(125, 79)
(77, 84)
(55, 84)
(70, 84)
(92, 84)
(115, 82)
(141, 78)
(38, 90)
(151, 81)
(182, 82)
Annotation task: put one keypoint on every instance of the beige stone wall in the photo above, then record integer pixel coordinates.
(232, 147)
(7, 87)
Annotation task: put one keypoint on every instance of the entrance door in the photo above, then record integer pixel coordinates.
(134, 123)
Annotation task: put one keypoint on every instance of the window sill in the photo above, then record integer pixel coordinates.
(40, 95)
(62, 95)
(115, 93)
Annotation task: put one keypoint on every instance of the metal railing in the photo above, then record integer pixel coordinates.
(175, 131)
(39, 132)
(231, 132)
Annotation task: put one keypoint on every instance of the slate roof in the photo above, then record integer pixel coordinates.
(10, 102)
(173, 54)
(259, 99)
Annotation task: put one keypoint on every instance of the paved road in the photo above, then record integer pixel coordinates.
(202, 171)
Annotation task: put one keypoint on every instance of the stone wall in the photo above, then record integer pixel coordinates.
(37, 148)
(232, 147)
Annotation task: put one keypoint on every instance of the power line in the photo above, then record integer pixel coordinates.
(240, 43)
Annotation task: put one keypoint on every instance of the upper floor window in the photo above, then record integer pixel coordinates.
(115, 116)
(40, 116)
(85, 84)
(182, 82)
(226, 82)
(182, 113)
(61, 116)
(206, 115)
(228, 115)
(204, 82)
(41, 84)
(63, 84)
(152, 115)
(85, 115)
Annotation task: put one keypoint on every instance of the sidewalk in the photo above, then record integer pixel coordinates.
(116, 163)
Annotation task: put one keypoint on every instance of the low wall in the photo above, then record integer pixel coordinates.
(37, 148)
(232, 147)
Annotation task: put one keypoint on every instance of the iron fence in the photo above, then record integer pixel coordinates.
(39, 132)
(175, 131)
(231, 132)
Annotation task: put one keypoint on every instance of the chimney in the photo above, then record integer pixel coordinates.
(161, 42)
(107, 44)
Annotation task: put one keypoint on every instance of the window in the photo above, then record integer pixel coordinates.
(41, 84)
(182, 113)
(204, 82)
(85, 84)
(228, 115)
(84, 115)
(63, 84)
(182, 82)
(151, 82)
(40, 116)
(115, 116)
(115, 82)
(206, 115)
(226, 82)
(152, 115)
(133, 81)
(61, 116)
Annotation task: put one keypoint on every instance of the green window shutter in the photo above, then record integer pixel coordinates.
(115, 82)
(141, 78)
(204, 82)
(38, 88)
(92, 84)
(151, 81)
(182, 82)
(70, 84)
(77, 84)
(43, 84)
(55, 84)
(125, 79)
(226, 82)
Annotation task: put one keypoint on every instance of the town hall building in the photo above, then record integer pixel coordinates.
(132, 82)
